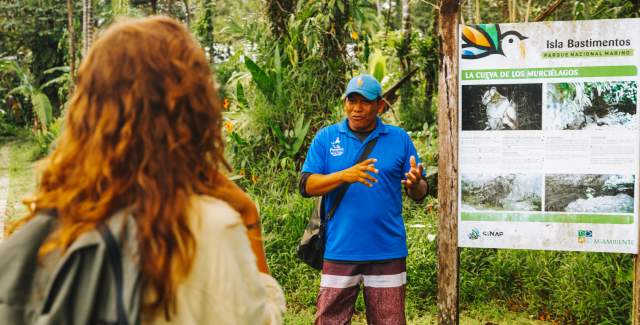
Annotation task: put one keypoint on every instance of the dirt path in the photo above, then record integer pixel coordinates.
(4, 184)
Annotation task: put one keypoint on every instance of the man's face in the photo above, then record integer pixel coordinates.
(362, 112)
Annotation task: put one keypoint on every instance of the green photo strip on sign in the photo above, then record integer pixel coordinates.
(556, 72)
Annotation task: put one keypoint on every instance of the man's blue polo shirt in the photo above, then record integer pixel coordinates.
(368, 224)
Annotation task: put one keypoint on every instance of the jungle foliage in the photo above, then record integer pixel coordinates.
(281, 66)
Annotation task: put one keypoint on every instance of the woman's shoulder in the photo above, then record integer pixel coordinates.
(214, 213)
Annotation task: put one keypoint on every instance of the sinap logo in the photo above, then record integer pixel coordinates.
(483, 40)
(474, 234)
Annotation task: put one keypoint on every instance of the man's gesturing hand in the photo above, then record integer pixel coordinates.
(414, 175)
(359, 173)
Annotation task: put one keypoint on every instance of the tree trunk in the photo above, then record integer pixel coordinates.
(405, 60)
(334, 48)
(635, 310)
(506, 10)
(187, 12)
(72, 46)
(87, 25)
(209, 40)
(279, 12)
(448, 258)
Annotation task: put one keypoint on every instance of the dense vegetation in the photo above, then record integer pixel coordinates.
(281, 66)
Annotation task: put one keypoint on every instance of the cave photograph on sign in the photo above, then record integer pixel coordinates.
(589, 193)
(501, 107)
(503, 192)
(591, 106)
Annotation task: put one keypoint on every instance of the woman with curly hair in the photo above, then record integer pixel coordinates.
(143, 133)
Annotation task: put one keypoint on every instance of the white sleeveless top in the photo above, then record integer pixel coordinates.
(224, 285)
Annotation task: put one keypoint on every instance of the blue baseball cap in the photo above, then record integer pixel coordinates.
(365, 85)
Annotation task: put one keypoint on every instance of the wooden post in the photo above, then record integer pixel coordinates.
(636, 291)
(448, 260)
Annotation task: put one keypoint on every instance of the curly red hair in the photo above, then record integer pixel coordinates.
(143, 130)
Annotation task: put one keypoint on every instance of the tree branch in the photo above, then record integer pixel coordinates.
(552, 8)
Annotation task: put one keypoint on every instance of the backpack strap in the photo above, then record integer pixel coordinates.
(344, 187)
(115, 259)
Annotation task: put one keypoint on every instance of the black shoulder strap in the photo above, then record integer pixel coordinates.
(344, 187)
(115, 259)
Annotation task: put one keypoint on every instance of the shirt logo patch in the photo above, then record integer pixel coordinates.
(336, 149)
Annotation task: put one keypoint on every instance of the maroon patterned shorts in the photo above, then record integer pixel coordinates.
(384, 291)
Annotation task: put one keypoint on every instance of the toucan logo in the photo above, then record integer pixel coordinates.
(483, 40)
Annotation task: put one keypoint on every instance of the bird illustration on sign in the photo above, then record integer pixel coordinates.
(486, 39)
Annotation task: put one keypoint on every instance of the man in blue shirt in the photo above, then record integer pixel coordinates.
(365, 239)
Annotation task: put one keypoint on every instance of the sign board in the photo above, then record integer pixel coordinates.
(549, 136)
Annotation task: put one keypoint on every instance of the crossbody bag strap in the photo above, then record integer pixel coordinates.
(115, 259)
(344, 187)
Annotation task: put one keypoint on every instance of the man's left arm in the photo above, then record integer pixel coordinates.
(414, 183)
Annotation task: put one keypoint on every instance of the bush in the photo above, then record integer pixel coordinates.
(45, 140)
(7, 129)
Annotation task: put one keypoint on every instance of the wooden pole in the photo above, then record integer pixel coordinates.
(636, 291)
(635, 305)
(448, 260)
(72, 47)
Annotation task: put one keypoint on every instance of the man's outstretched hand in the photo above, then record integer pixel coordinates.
(415, 184)
(360, 172)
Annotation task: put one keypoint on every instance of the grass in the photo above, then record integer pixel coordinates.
(476, 315)
(22, 179)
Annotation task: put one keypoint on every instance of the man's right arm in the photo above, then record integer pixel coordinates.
(319, 184)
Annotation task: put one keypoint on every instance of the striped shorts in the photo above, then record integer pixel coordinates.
(384, 292)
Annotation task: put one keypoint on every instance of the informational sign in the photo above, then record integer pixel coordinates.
(549, 135)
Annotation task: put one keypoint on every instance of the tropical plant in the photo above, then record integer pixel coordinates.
(31, 90)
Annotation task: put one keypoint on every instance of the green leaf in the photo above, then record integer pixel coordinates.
(281, 138)
(301, 130)
(377, 65)
(237, 139)
(278, 75)
(340, 5)
(293, 55)
(59, 80)
(298, 125)
(234, 27)
(64, 69)
(23, 90)
(42, 108)
(240, 96)
(262, 80)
